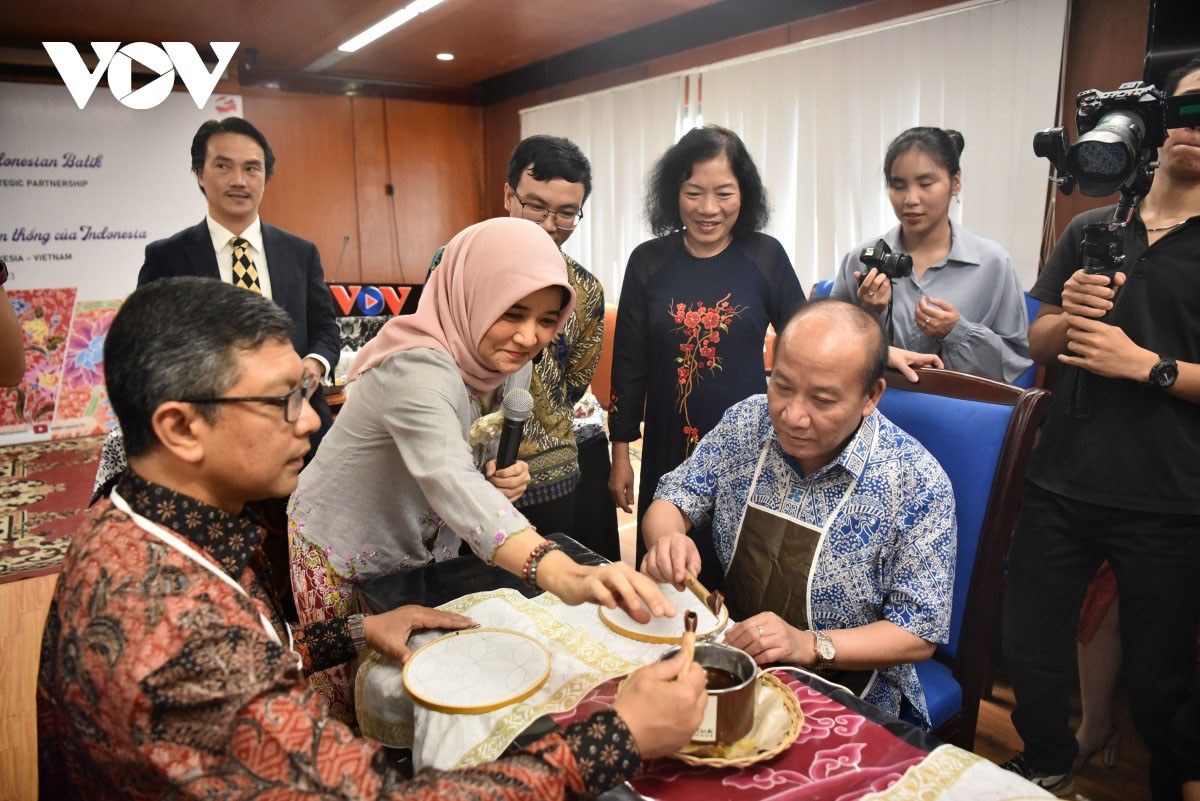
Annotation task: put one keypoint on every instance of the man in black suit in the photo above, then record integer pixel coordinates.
(233, 162)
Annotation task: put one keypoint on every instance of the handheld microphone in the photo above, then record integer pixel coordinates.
(517, 407)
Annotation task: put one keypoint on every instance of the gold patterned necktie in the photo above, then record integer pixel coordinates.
(245, 274)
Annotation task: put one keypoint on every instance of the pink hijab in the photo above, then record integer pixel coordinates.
(484, 271)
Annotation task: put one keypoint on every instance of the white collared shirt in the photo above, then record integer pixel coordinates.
(222, 245)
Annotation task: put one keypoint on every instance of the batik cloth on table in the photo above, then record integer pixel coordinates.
(584, 653)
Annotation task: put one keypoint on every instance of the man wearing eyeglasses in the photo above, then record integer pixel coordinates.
(548, 181)
(167, 670)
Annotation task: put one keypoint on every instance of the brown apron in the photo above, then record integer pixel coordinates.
(772, 567)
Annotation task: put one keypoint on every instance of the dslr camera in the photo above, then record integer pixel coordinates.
(1119, 135)
(1117, 149)
(881, 257)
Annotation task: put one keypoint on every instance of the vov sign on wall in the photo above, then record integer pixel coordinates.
(118, 61)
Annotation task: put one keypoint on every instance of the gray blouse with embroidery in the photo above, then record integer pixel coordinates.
(395, 483)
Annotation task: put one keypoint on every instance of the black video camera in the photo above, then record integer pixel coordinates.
(881, 257)
(1119, 135)
(1117, 149)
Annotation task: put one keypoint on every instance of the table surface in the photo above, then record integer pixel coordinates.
(847, 747)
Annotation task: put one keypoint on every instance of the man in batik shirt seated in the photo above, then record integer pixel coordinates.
(167, 668)
(834, 528)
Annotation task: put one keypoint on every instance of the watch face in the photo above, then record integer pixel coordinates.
(1164, 373)
(825, 648)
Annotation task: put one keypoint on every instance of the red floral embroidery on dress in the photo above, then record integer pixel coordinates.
(702, 327)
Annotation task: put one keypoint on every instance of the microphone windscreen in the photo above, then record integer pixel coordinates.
(517, 405)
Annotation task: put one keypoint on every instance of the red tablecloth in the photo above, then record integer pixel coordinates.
(839, 755)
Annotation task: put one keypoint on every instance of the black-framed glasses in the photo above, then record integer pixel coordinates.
(536, 212)
(292, 402)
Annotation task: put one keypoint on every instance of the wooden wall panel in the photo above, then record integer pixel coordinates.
(1106, 43)
(378, 257)
(502, 132)
(312, 193)
(437, 156)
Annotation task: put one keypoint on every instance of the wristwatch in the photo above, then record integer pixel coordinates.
(358, 634)
(1164, 373)
(826, 653)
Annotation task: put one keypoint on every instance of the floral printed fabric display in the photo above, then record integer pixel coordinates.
(702, 327)
(45, 319)
(63, 389)
(83, 398)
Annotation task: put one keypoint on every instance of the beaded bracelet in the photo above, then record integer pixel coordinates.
(531, 579)
(537, 549)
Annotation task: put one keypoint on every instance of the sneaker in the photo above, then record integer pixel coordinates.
(1060, 784)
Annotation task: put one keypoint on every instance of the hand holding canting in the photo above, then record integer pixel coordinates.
(662, 713)
(670, 557)
(1105, 350)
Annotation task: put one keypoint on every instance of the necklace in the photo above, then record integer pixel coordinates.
(1168, 227)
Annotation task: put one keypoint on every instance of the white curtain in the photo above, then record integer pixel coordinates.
(817, 118)
(622, 131)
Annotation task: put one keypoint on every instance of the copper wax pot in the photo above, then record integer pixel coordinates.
(729, 714)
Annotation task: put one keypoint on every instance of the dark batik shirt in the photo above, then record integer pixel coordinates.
(158, 679)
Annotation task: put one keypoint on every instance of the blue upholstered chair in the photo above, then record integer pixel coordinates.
(1029, 377)
(981, 432)
(821, 289)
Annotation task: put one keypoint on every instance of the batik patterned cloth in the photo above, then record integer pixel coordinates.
(158, 679)
(840, 752)
(83, 401)
(45, 319)
(890, 550)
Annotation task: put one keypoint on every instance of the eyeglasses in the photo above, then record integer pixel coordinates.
(535, 212)
(292, 402)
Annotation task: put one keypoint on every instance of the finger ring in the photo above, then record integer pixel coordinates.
(926, 321)
(760, 631)
(870, 294)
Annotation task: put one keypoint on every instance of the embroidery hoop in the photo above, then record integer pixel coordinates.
(666, 630)
(513, 665)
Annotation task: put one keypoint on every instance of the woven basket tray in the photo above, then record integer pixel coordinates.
(770, 695)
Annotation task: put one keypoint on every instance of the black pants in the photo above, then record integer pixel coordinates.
(1058, 546)
(552, 517)
(595, 513)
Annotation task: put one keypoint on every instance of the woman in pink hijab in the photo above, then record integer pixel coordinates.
(407, 472)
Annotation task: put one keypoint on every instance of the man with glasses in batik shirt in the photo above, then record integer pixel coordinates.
(167, 669)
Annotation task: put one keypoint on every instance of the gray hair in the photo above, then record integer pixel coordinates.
(179, 338)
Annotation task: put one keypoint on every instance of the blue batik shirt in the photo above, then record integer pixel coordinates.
(889, 554)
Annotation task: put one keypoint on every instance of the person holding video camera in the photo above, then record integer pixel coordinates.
(934, 285)
(1116, 474)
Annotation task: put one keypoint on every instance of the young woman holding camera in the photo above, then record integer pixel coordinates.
(962, 299)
